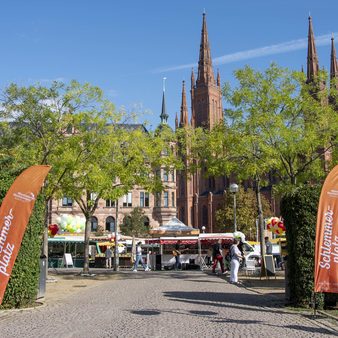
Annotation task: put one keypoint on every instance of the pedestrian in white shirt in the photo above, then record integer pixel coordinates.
(236, 256)
(139, 258)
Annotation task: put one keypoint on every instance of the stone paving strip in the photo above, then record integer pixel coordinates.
(158, 304)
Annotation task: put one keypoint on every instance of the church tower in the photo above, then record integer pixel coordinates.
(184, 190)
(313, 73)
(333, 75)
(206, 94)
(318, 84)
(198, 196)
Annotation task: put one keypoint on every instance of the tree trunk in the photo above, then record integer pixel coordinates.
(260, 224)
(44, 251)
(86, 245)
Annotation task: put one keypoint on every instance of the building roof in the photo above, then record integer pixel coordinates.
(174, 227)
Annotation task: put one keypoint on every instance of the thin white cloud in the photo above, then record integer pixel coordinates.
(47, 81)
(284, 47)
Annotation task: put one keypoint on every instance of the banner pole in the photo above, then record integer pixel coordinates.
(314, 304)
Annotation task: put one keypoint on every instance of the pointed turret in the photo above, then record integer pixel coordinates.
(176, 122)
(192, 78)
(205, 72)
(192, 93)
(218, 78)
(184, 122)
(312, 58)
(164, 116)
(333, 66)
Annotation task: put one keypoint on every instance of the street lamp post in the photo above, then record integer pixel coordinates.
(234, 190)
(116, 251)
(203, 229)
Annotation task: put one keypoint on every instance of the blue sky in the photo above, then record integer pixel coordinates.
(127, 47)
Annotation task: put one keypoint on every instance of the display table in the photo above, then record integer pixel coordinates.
(124, 261)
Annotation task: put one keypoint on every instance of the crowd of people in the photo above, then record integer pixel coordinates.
(229, 258)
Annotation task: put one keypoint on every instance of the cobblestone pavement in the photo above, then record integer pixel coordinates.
(160, 304)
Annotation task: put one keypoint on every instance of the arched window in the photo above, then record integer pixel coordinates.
(94, 223)
(212, 183)
(110, 224)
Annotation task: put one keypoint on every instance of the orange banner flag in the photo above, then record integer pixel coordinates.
(15, 211)
(326, 250)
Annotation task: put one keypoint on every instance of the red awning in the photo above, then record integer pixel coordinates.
(184, 241)
(214, 240)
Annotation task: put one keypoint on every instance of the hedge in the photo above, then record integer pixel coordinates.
(22, 288)
(299, 210)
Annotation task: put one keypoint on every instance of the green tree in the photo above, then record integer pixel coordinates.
(269, 130)
(35, 124)
(114, 158)
(133, 224)
(246, 213)
(273, 119)
(296, 127)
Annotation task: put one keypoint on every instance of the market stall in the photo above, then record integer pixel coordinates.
(164, 258)
(167, 236)
(58, 246)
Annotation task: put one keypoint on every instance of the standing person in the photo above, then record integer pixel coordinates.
(236, 256)
(241, 249)
(108, 254)
(268, 246)
(227, 259)
(177, 254)
(139, 258)
(217, 256)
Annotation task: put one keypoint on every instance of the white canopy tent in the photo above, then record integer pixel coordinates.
(174, 228)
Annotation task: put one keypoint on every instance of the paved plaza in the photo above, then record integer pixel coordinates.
(158, 304)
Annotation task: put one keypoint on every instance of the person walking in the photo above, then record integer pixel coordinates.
(139, 258)
(236, 256)
(108, 254)
(268, 246)
(217, 256)
(177, 255)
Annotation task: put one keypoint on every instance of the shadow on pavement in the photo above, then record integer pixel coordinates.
(244, 301)
(311, 329)
(146, 312)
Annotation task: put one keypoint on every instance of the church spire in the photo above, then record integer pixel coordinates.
(218, 78)
(333, 66)
(184, 109)
(164, 116)
(312, 58)
(205, 72)
(176, 122)
(192, 78)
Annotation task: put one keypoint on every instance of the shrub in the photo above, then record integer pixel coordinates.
(299, 210)
(22, 287)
